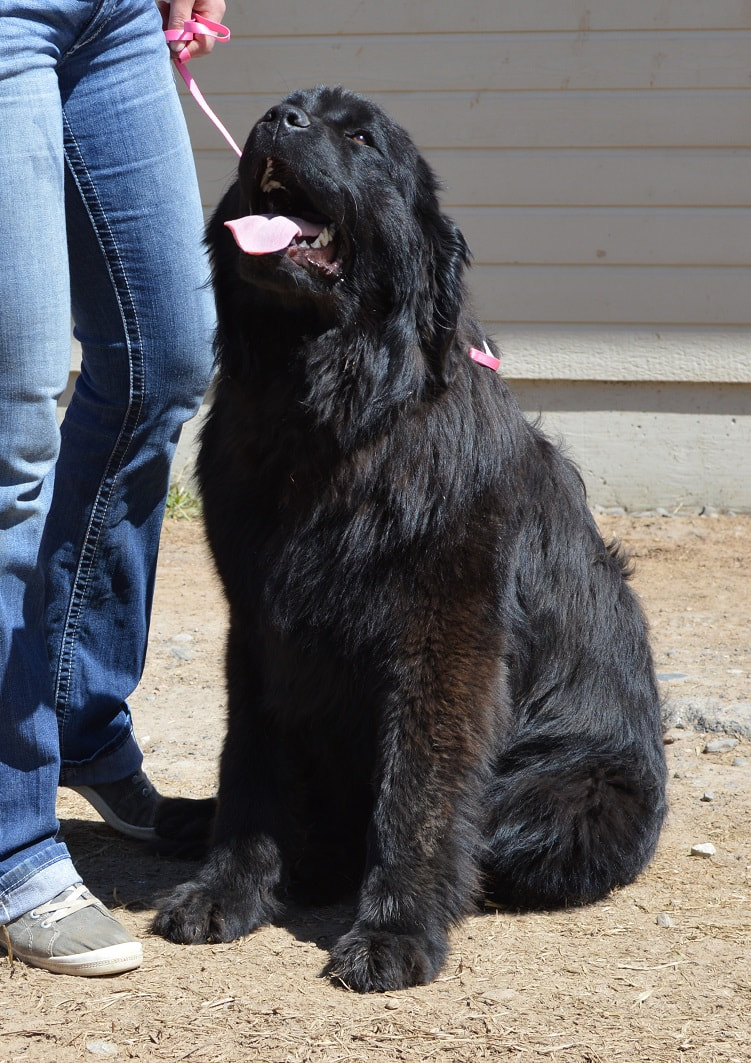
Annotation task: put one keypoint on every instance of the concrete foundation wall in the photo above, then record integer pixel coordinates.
(646, 446)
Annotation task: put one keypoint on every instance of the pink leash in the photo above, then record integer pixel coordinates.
(199, 26)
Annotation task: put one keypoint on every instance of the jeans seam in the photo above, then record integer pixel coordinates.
(90, 544)
(91, 28)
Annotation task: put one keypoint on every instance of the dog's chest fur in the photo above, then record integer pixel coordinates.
(339, 539)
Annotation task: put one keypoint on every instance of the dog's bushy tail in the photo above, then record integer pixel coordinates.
(569, 820)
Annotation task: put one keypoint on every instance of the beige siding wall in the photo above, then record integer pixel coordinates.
(598, 158)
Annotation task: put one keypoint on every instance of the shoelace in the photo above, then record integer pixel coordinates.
(199, 26)
(72, 900)
(139, 779)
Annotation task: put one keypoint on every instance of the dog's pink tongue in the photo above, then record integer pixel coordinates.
(261, 234)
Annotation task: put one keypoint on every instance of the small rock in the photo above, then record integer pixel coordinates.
(663, 919)
(498, 996)
(391, 1005)
(708, 795)
(703, 849)
(739, 762)
(674, 734)
(105, 1049)
(181, 653)
(720, 745)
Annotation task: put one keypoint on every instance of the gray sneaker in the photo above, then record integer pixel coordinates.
(72, 934)
(128, 805)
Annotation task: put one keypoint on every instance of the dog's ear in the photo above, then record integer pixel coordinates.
(446, 257)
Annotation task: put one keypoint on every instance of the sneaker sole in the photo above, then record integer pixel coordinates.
(114, 959)
(110, 817)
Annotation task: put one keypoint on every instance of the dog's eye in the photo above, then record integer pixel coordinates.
(361, 137)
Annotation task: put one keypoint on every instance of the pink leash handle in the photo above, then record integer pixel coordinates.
(194, 27)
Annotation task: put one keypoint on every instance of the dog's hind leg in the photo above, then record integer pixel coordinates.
(568, 819)
(577, 797)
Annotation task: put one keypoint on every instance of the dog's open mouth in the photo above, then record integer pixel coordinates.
(287, 223)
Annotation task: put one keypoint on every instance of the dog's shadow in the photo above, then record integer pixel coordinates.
(136, 876)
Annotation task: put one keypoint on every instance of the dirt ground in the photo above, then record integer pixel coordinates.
(660, 971)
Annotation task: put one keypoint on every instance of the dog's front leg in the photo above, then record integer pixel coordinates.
(234, 893)
(421, 876)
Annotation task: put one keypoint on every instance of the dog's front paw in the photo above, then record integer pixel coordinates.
(194, 914)
(374, 961)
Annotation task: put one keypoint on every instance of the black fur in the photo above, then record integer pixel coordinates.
(440, 684)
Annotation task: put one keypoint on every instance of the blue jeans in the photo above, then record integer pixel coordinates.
(100, 213)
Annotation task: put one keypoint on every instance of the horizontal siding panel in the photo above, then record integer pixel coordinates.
(586, 352)
(586, 236)
(270, 18)
(636, 295)
(589, 236)
(216, 171)
(620, 353)
(485, 62)
(550, 177)
(659, 119)
(620, 177)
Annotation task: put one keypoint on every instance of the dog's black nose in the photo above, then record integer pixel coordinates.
(287, 115)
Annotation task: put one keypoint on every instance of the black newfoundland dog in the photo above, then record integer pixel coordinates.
(440, 684)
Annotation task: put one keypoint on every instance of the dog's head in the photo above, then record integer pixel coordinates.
(338, 207)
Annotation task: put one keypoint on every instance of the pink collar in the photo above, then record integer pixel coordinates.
(192, 28)
(485, 357)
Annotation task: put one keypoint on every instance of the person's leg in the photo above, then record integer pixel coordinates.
(47, 917)
(139, 200)
(144, 315)
(34, 363)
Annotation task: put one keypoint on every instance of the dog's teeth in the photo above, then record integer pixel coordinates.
(324, 238)
(268, 182)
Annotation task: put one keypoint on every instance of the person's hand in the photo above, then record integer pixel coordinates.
(177, 13)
